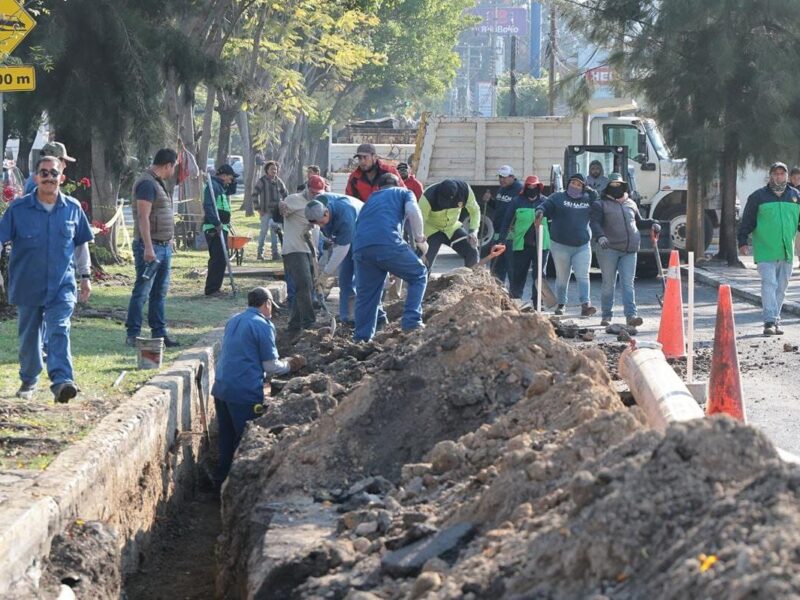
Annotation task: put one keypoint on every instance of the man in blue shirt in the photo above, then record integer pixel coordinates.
(46, 230)
(379, 249)
(247, 359)
(336, 216)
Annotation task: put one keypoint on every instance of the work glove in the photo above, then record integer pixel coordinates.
(602, 241)
(496, 237)
(422, 247)
(296, 363)
(472, 238)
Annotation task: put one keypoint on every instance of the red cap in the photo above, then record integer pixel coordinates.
(316, 183)
(532, 181)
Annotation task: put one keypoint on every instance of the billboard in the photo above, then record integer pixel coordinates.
(501, 20)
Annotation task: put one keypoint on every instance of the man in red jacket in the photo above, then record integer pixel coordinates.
(409, 180)
(363, 181)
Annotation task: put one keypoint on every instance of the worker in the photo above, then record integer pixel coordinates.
(597, 179)
(379, 249)
(441, 205)
(216, 225)
(409, 180)
(247, 359)
(520, 222)
(510, 188)
(364, 179)
(336, 217)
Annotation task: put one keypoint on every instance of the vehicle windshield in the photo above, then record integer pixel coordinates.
(657, 139)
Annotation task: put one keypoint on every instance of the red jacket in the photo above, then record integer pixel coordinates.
(414, 185)
(359, 187)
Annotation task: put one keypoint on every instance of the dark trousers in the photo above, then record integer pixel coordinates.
(502, 266)
(463, 248)
(298, 267)
(216, 261)
(523, 261)
(231, 418)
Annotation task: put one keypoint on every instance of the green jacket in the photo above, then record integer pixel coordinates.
(519, 224)
(773, 221)
(439, 218)
(223, 203)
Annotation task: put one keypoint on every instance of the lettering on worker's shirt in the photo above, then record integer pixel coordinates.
(571, 204)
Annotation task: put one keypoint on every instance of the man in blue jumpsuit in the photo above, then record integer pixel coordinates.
(247, 359)
(45, 229)
(379, 249)
(336, 216)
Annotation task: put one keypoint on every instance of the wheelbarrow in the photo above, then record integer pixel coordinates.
(236, 244)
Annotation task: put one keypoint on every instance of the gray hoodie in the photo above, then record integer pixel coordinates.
(619, 221)
(599, 183)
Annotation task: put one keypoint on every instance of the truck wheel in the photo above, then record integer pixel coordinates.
(486, 232)
(677, 227)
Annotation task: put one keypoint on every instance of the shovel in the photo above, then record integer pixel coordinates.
(221, 234)
(318, 286)
(654, 238)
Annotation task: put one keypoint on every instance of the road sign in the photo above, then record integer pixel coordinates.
(20, 78)
(15, 24)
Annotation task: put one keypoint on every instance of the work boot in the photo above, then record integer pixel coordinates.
(587, 310)
(130, 341)
(559, 309)
(770, 329)
(778, 330)
(605, 321)
(64, 392)
(170, 343)
(26, 391)
(634, 321)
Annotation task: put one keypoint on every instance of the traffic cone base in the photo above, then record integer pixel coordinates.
(670, 330)
(725, 383)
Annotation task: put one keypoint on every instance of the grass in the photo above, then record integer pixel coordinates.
(100, 354)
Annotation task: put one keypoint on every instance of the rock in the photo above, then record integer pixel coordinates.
(523, 511)
(540, 384)
(412, 470)
(371, 485)
(436, 565)
(357, 595)
(361, 544)
(410, 518)
(425, 583)
(410, 560)
(384, 521)
(391, 504)
(446, 456)
(366, 528)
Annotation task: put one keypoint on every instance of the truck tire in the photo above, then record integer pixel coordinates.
(676, 215)
(485, 233)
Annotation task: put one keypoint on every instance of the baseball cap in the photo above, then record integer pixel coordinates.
(366, 149)
(315, 210)
(316, 183)
(56, 149)
(505, 171)
(258, 296)
(778, 165)
(226, 169)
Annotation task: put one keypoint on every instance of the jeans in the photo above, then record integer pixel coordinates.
(614, 263)
(523, 261)
(373, 264)
(502, 266)
(153, 290)
(216, 261)
(231, 418)
(774, 281)
(268, 225)
(347, 286)
(569, 259)
(56, 316)
(463, 248)
(298, 267)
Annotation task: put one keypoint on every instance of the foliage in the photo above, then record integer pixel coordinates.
(531, 95)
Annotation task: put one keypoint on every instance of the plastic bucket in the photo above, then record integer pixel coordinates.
(150, 352)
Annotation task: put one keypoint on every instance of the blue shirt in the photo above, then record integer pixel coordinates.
(41, 268)
(249, 340)
(568, 218)
(146, 190)
(30, 185)
(503, 200)
(344, 211)
(380, 222)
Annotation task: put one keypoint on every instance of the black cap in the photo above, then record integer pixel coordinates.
(226, 169)
(579, 177)
(258, 296)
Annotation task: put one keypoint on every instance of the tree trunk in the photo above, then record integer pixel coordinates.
(208, 116)
(695, 238)
(727, 231)
(105, 188)
(248, 160)
(226, 116)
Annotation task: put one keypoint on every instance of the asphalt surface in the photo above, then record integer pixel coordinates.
(768, 370)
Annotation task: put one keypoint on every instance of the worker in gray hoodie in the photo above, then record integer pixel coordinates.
(597, 179)
(615, 221)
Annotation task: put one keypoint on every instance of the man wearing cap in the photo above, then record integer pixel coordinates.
(519, 222)
(46, 229)
(441, 205)
(615, 221)
(336, 217)
(216, 225)
(410, 180)
(56, 149)
(153, 230)
(247, 359)
(364, 180)
(310, 170)
(268, 191)
(771, 215)
(568, 214)
(379, 249)
(510, 188)
(297, 249)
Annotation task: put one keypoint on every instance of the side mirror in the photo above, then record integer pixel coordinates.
(642, 146)
(649, 167)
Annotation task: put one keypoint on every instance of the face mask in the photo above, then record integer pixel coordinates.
(574, 192)
(616, 192)
(532, 193)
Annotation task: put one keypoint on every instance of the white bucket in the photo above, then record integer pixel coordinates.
(150, 352)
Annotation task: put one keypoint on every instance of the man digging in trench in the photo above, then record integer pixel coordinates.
(248, 358)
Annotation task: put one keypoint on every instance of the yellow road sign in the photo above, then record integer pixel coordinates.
(20, 78)
(15, 24)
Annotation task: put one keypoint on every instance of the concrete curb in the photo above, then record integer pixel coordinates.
(132, 466)
(715, 280)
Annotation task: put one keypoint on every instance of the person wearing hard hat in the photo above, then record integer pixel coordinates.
(771, 215)
(615, 221)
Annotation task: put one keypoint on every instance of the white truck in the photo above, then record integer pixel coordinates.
(472, 149)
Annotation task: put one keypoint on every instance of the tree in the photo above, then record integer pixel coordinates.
(532, 96)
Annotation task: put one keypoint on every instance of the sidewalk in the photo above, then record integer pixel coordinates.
(745, 283)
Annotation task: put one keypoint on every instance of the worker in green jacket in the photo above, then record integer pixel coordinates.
(441, 205)
(216, 223)
(772, 215)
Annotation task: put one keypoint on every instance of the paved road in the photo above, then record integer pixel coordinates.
(772, 404)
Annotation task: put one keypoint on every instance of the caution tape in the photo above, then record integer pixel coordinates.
(106, 226)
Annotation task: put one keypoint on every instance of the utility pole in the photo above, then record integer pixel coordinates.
(493, 66)
(512, 78)
(551, 76)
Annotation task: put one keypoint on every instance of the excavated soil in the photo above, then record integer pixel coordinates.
(485, 458)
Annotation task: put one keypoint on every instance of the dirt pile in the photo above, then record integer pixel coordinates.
(484, 457)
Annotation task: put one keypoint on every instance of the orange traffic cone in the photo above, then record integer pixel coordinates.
(670, 330)
(725, 383)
